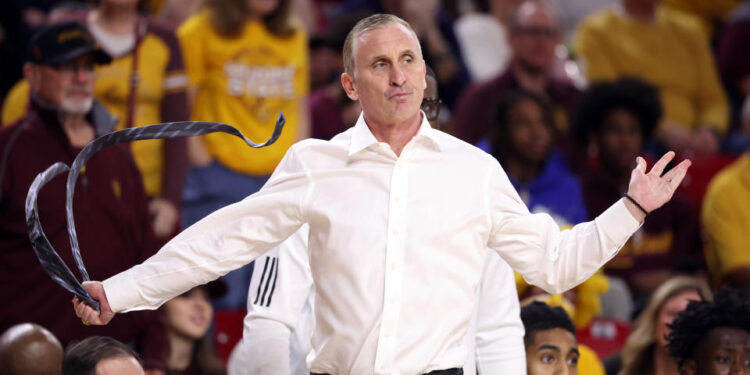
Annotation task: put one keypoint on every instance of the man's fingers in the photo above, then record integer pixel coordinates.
(675, 176)
(662, 163)
(640, 164)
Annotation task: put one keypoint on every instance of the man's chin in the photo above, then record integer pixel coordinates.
(76, 106)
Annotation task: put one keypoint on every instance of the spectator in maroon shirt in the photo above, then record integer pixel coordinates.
(616, 119)
(110, 206)
(534, 35)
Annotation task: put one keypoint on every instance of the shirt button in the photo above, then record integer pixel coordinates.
(393, 266)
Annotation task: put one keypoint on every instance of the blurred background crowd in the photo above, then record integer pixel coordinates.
(564, 93)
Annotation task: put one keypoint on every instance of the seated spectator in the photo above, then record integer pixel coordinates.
(726, 218)
(713, 338)
(30, 349)
(110, 204)
(523, 140)
(734, 67)
(616, 119)
(187, 318)
(100, 355)
(551, 343)
(534, 35)
(666, 49)
(645, 351)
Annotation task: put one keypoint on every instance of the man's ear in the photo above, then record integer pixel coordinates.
(347, 81)
(688, 367)
(31, 74)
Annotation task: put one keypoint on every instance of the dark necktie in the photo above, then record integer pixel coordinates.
(48, 257)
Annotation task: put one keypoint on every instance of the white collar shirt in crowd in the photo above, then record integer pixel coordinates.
(396, 245)
(279, 322)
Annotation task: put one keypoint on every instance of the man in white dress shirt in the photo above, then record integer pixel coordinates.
(280, 321)
(400, 218)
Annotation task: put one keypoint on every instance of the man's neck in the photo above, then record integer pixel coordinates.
(78, 130)
(529, 79)
(639, 10)
(397, 135)
(522, 172)
(180, 352)
(115, 19)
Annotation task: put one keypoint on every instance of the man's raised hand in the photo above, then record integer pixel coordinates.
(88, 315)
(652, 190)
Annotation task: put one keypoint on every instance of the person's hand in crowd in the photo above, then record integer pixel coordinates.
(165, 216)
(705, 142)
(652, 190)
(88, 315)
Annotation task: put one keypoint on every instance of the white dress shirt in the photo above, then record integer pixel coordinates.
(279, 322)
(396, 245)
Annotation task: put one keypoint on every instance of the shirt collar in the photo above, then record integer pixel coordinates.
(363, 138)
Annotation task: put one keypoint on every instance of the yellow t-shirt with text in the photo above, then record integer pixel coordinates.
(245, 81)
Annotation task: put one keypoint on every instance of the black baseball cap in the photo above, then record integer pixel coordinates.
(62, 42)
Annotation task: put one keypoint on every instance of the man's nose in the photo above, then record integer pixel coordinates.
(398, 77)
(81, 74)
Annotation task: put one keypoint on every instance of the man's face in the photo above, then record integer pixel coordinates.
(69, 86)
(389, 77)
(534, 36)
(619, 139)
(529, 136)
(723, 351)
(552, 352)
(119, 366)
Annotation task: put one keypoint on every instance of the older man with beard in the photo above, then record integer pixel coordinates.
(110, 204)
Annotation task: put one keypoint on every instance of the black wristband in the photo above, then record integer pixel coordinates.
(636, 203)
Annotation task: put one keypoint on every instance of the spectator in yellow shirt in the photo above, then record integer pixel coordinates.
(726, 217)
(246, 61)
(668, 50)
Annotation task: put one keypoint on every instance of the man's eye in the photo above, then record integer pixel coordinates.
(573, 361)
(548, 358)
(723, 360)
(380, 64)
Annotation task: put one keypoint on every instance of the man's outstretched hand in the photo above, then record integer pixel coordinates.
(652, 190)
(88, 315)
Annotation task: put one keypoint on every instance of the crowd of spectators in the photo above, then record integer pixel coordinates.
(565, 94)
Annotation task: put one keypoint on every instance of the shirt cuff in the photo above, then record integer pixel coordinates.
(617, 223)
(121, 291)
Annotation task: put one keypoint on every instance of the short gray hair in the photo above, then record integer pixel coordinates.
(376, 21)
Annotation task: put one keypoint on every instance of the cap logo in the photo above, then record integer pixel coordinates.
(70, 34)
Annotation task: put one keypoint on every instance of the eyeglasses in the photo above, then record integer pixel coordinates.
(431, 108)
